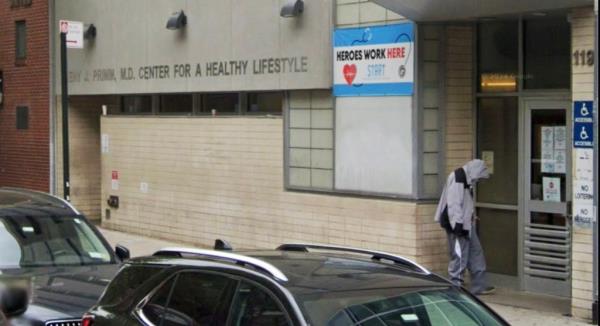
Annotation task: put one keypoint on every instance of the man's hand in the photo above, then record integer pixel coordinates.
(459, 231)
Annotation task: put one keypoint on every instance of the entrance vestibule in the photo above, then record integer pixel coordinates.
(522, 132)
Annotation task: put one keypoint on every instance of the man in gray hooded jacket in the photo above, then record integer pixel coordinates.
(456, 214)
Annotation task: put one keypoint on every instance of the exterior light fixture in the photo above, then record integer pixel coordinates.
(177, 20)
(90, 32)
(292, 8)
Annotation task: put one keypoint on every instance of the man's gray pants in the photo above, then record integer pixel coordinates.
(466, 252)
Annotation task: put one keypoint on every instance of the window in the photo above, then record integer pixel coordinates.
(176, 103)
(129, 278)
(22, 117)
(199, 299)
(136, 104)
(392, 307)
(310, 140)
(498, 56)
(268, 102)
(221, 103)
(49, 241)
(430, 130)
(20, 40)
(154, 310)
(547, 44)
(255, 306)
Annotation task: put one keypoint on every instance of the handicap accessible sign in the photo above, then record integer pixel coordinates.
(374, 61)
(583, 124)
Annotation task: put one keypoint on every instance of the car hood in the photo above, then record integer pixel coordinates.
(62, 292)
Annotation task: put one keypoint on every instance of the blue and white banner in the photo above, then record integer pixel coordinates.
(374, 61)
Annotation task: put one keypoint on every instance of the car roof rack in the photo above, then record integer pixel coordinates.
(375, 255)
(221, 255)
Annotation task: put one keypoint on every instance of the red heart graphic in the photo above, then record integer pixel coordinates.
(349, 73)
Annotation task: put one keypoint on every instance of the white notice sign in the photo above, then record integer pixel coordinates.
(547, 149)
(560, 137)
(104, 143)
(584, 164)
(74, 31)
(560, 161)
(551, 189)
(488, 158)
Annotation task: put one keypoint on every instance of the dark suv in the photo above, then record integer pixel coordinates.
(54, 264)
(296, 284)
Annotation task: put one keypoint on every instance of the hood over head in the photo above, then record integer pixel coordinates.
(475, 171)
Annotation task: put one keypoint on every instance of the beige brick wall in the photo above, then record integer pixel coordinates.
(433, 246)
(459, 96)
(354, 13)
(214, 178)
(582, 31)
(84, 143)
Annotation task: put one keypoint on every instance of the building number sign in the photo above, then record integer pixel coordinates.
(583, 58)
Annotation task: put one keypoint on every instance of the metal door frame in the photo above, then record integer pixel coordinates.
(527, 105)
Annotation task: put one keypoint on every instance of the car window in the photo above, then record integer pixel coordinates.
(126, 282)
(254, 306)
(199, 299)
(154, 309)
(393, 307)
(36, 241)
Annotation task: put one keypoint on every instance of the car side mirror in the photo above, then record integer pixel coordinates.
(122, 252)
(14, 301)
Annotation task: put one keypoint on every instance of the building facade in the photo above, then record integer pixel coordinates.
(260, 129)
(25, 95)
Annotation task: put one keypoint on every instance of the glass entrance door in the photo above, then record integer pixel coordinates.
(546, 226)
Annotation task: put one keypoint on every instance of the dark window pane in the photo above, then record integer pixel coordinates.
(221, 103)
(155, 308)
(126, 282)
(176, 103)
(22, 117)
(498, 56)
(135, 104)
(198, 299)
(254, 306)
(497, 142)
(499, 234)
(20, 39)
(270, 102)
(547, 47)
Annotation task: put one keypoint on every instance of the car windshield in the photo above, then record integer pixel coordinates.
(383, 307)
(35, 241)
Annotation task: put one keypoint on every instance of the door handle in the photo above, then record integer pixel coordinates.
(569, 209)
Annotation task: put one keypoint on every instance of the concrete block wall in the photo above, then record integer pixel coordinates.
(582, 37)
(459, 96)
(84, 143)
(222, 177)
(355, 13)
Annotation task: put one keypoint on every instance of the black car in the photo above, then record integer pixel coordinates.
(50, 252)
(297, 284)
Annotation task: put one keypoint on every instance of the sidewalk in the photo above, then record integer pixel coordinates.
(508, 305)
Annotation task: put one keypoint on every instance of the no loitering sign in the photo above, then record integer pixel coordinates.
(74, 31)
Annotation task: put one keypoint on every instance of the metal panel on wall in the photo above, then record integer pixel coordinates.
(374, 145)
(227, 45)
